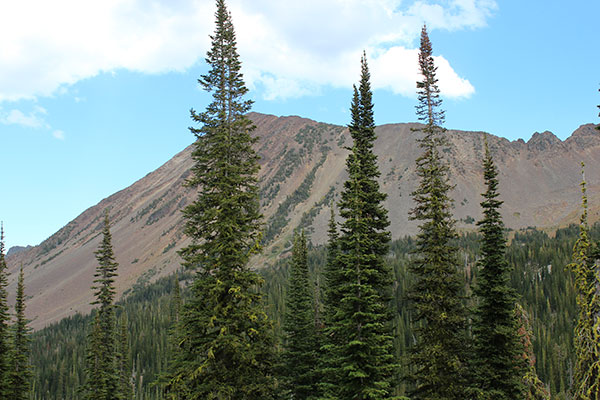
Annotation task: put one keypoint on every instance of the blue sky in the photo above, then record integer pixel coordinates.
(94, 95)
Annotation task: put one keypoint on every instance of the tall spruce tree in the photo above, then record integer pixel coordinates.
(226, 349)
(361, 354)
(20, 373)
(498, 365)
(332, 276)
(438, 359)
(586, 267)
(299, 357)
(331, 271)
(102, 380)
(4, 322)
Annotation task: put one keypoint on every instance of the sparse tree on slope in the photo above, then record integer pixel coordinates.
(300, 343)
(226, 348)
(101, 374)
(20, 374)
(498, 365)
(4, 322)
(438, 359)
(586, 267)
(362, 353)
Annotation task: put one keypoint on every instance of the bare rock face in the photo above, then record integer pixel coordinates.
(303, 169)
(17, 249)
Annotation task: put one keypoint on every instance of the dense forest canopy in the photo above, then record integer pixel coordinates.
(539, 276)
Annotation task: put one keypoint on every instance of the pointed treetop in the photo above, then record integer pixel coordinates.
(366, 96)
(1, 239)
(428, 93)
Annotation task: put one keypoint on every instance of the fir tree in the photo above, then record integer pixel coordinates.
(122, 361)
(20, 374)
(326, 364)
(102, 379)
(226, 349)
(300, 345)
(331, 271)
(438, 359)
(176, 301)
(585, 265)
(361, 354)
(498, 365)
(4, 322)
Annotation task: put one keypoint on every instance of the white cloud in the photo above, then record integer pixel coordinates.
(58, 134)
(33, 119)
(289, 48)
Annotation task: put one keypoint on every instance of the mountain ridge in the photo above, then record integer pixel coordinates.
(302, 170)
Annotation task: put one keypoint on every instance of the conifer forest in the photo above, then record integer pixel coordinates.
(491, 313)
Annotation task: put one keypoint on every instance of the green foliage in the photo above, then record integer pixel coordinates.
(123, 360)
(534, 387)
(101, 374)
(331, 300)
(300, 344)
(20, 368)
(309, 216)
(4, 323)
(586, 268)
(439, 357)
(226, 344)
(360, 360)
(498, 366)
(279, 220)
(60, 348)
(537, 262)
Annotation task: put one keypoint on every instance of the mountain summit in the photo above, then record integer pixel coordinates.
(302, 172)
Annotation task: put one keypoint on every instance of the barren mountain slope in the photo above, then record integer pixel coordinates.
(303, 167)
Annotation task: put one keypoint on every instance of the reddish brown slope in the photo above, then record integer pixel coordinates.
(303, 167)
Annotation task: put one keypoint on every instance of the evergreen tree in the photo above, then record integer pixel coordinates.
(102, 380)
(326, 364)
(438, 359)
(20, 374)
(534, 387)
(585, 265)
(176, 301)
(4, 322)
(498, 365)
(361, 354)
(299, 357)
(123, 360)
(331, 270)
(226, 350)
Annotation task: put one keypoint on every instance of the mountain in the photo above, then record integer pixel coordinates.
(303, 168)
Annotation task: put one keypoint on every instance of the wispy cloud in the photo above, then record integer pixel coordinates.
(58, 134)
(33, 119)
(289, 49)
